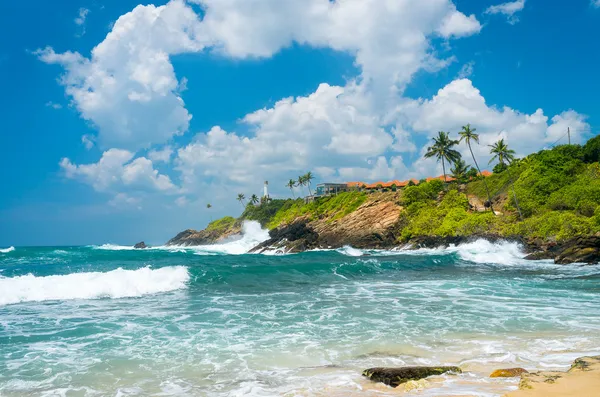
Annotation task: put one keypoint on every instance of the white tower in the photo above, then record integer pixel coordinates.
(266, 195)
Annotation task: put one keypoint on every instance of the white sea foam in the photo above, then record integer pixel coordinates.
(117, 283)
(252, 235)
(6, 250)
(113, 247)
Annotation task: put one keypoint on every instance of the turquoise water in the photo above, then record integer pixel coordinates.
(107, 321)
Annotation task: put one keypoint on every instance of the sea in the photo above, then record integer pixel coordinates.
(109, 320)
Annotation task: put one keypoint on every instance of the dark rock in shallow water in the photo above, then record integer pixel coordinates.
(583, 249)
(396, 376)
(140, 245)
(297, 237)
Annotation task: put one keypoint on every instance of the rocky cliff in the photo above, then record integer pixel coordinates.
(377, 222)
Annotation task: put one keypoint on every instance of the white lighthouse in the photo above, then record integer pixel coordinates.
(266, 194)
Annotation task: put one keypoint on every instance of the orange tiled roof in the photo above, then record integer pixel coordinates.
(486, 173)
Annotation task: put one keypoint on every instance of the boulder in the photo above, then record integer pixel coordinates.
(508, 373)
(140, 245)
(397, 376)
(582, 249)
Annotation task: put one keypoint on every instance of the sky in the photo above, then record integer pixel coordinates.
(121, 121)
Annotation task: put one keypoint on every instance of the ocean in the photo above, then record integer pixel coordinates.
(216, 321)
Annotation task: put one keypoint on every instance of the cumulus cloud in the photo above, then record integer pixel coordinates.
(128, 88)
(466, 70)
(333, 127)
(390, 39)
(115, 170)
(161, 155)
(509, 9)
(459, 103)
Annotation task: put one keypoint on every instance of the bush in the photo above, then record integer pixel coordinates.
(221, 225)
(591, 150)
(422, 192)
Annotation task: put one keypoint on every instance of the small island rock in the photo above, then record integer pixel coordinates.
(397, 376)
(140, 245)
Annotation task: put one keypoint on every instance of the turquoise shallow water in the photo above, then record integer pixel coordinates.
(106, 321)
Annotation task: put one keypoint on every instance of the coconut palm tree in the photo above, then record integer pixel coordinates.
(302, 180)
(468, 134)
(308, 177)
(459, 171)
(292, 184)
(254, 199)
(241, 197)
(505, 156)
(442, 150)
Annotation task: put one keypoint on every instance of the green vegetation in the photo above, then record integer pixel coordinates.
(442, 149)
(558, 193)
(221, 225)
(331, 207)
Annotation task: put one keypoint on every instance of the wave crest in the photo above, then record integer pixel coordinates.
(117, 283)
(6, 250)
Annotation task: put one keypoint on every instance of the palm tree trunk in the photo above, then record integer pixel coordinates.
(514, 193)
(444, 168)
(309, 191)
(293, 194)
(487, 190)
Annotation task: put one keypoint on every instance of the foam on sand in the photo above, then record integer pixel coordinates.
(117, 283)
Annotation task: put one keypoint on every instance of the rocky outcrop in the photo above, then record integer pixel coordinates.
(583, 379)
(508, 373)
(373, 225)
(203, 237)
(296, 237)
(581, 249)
(140, 245)
(397, 376)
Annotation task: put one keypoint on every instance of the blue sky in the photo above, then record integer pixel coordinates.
(188, 103)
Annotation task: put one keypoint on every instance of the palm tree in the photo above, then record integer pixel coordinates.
(208, 207)
(241, 197)
(302, 180)
(460, 170)
(505, 155)
(442, 149)
(308, 177)
(467, 134)
(292, 184)
(254, 199)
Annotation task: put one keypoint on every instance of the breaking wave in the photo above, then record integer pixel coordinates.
(252, 235)
(6, 250)
(117, 283)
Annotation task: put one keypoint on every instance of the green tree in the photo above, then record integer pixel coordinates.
(301, 181)
(254, 199)
(468, 134)
(505, 156)
(241, 197)
(442, 150)
(460, 171)
(292, 184)
(308, 177)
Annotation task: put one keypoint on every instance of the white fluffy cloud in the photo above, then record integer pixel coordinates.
(331, 128)
(459, 103)
(161, 155)
(115, 170)
(128, 88)
(509, 9)
(389, 38)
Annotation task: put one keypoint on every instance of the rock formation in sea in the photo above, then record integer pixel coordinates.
(397, 376)
(140, 245)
